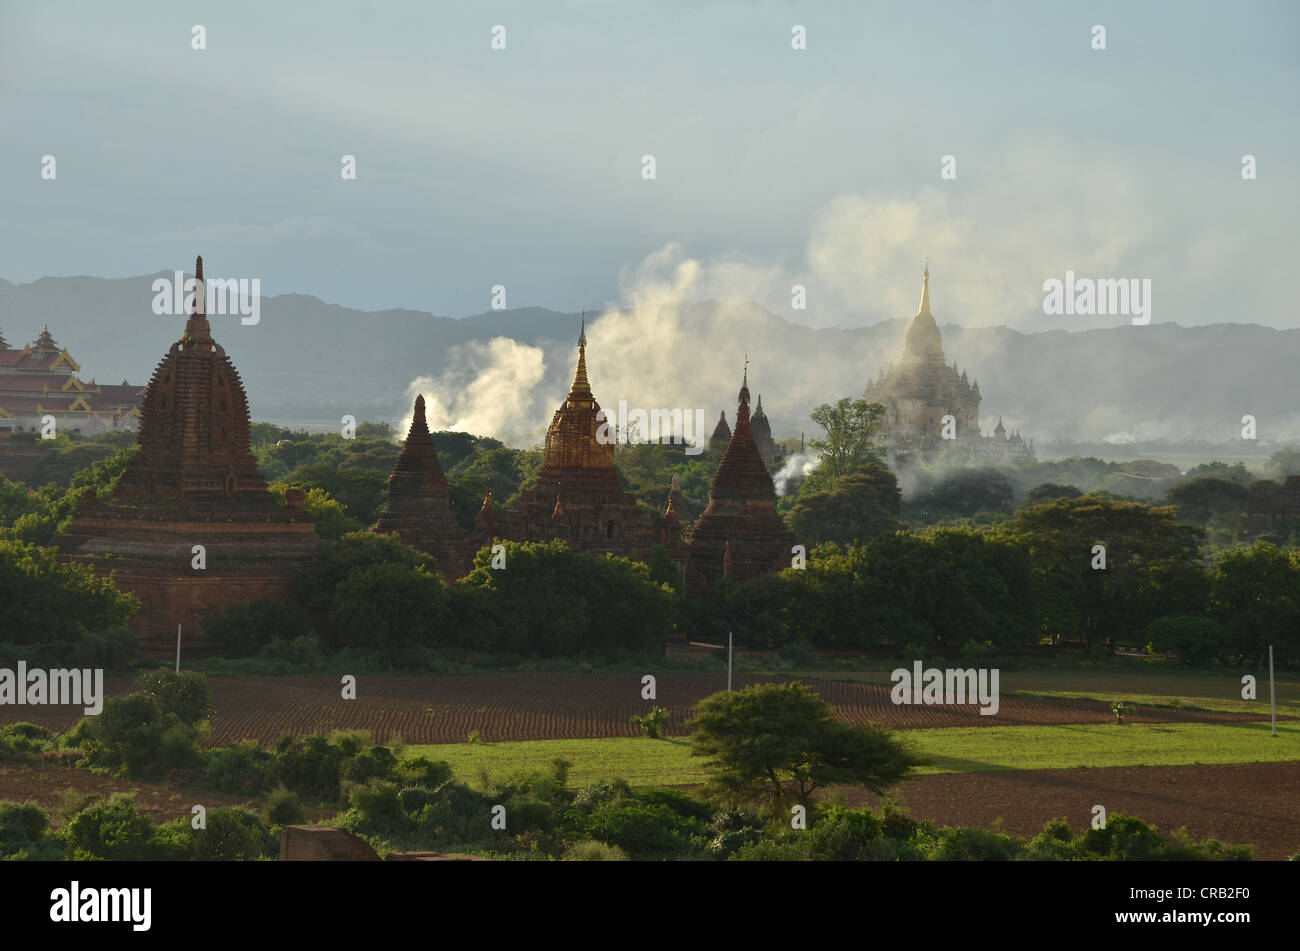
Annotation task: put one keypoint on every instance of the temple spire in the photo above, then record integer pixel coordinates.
(924, 309)
(197, 327)
(580, 385)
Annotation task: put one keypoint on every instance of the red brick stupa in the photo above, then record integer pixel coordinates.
(419, 505)
(740, 534)
(578, 498)
(193, 482)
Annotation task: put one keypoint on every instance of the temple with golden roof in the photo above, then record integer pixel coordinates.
(577, 497)
(41, 379)
(191, 526)
(922, 389)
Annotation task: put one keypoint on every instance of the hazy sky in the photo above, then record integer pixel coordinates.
(522, 167)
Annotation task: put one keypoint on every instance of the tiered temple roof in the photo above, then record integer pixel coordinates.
(418, 507)
(191, 526)
(740, 533)
(40, 380)
(578, 498)
(763, 433)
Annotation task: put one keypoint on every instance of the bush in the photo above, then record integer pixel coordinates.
(642, 830)
(589, 850)
(111, 829)
(419, 771)
(1193, 639)
(232, 835)
(185, 694)
(242, 768)
(284, 808)
(1124, 838)
(23, 836)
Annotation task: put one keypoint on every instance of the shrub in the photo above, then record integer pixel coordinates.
(185, 694)
(1124, 838)
(284, 808)
(589, 850)
(242, 768)
(652, 721)
(419, 771)
(844, 834)
(232, 835)
(310, 765)
(1194, 639)
(111, 829)
(642, 830)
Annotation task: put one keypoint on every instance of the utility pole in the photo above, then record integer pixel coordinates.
(1270, 662)
(1272, 697)
(178, 648)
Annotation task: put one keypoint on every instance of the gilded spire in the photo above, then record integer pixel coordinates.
(581, 388)
(925, 292)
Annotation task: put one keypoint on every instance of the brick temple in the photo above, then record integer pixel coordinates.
(418, 507)
(577, 497)
(740, 535)
(193, 482)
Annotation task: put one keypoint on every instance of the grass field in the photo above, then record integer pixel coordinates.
(1146, 687)
(644, 762)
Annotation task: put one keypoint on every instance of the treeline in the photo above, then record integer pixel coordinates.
(1090, 569)
(397, 801)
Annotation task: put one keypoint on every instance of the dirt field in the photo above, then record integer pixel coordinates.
(1254, 803)
(557, 706)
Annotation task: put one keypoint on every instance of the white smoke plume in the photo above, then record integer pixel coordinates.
(490, 390)
(797, 468)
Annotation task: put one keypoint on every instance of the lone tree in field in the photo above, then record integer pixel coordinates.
(779, 742)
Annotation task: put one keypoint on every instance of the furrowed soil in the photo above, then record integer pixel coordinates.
(542, 706)
(1244, 803)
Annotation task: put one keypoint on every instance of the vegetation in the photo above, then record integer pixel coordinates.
(779, 743)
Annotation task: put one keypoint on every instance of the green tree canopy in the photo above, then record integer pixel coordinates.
(858, 507)
(852, 427)
(778, 743)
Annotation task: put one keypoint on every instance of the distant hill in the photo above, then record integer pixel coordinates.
(309, 360)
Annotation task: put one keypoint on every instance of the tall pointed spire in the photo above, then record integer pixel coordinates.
(581, 388)
(197, 327)
(925, 292)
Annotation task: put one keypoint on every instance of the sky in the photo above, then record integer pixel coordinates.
(523, 167)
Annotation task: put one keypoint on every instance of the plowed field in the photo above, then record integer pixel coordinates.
(560, 706)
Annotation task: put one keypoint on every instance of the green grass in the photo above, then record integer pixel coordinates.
(667, 762)
(1146, 687)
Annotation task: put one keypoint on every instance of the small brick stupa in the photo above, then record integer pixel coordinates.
(578, 498)
(419, 505)
(193, 482)
(740, 534)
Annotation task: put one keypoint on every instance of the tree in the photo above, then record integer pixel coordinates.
(1151, 565)
(967, 491)
(388, 606)
(1194, 639)
(851, 429)
(1205, 500)
(779, 743)
(858, 507)
(1283, 463)
(1255, 592)
(1050, 490)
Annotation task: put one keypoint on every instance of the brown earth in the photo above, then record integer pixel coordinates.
(45, 785)
(540, 706)
(1240, 803)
